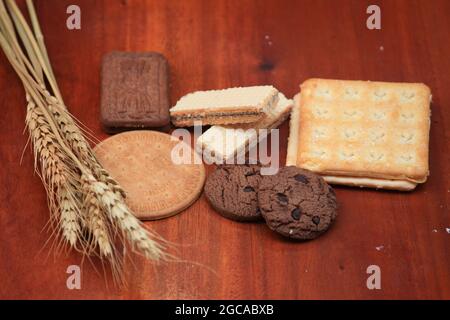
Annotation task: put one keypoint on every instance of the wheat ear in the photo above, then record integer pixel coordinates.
(76, 140)
(69, 218)
(118, 213)
(81, 193)
(55, 174)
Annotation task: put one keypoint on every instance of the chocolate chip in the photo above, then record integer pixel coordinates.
(282, 198)
(249, 189)
(316, 220)
(258, 210)
(250, 173)
(301, 178)
(296, 214)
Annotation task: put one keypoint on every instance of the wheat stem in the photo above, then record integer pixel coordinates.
(21, 23)
(40, 40)
(87, 207)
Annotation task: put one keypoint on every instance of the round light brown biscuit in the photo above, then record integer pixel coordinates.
(141, 162)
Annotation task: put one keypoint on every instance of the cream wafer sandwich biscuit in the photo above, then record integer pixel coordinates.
(233, 105)
(359, 133)
(221, 143)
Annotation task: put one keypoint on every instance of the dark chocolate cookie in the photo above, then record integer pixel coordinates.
(232, 191)
(297, 203)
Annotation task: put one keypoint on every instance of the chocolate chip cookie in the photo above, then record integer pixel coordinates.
(297, 203)
(232, 191)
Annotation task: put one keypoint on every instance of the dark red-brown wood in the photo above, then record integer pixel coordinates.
(217, 44)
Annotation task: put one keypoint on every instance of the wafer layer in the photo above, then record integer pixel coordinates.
(234, 105)
(225, 142)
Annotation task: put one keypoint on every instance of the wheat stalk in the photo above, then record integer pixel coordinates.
(56, 176)
(120, 215)
(87, 207)
(75, 138)
(54, 170)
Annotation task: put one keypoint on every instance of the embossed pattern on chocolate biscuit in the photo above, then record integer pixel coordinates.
(134, 90)
(297, 203)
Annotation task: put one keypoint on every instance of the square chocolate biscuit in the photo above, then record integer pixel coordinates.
(134, 91)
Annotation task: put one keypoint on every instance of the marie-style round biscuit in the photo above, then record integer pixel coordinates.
(297, 203)
(142, 163)
(232, 191)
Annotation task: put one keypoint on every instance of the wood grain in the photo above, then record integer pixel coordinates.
(217, 44)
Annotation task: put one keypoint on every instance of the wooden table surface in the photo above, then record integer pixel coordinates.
(218, 44)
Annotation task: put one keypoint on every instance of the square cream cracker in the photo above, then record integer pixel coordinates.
(375, 132)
